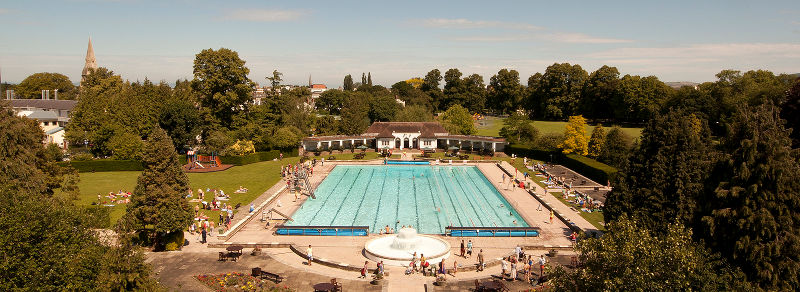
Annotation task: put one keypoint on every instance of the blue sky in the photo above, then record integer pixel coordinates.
(396, 40)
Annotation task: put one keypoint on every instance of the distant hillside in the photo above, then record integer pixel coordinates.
(680, 84)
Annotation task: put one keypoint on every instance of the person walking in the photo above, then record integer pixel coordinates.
(309, 254)
(469, 248)
(364, 270)
(542, 262)
(463, 249)
(480, 260)
(203, 233)
(551, 216)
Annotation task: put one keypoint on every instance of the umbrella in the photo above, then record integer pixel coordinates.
(452, 148)
(362, 147)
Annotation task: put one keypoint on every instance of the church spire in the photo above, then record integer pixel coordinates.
(91, 62)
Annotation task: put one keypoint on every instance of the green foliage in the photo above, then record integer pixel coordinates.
(599, 91)
(414, 113)
(326, 125)
(751, 214)
(631, 258)
(383, 109)
(218, 141)
(412, 95)
(557, 93)
(596, 141)
(221, 78)
(355, 114)
(640, 98)
(53, 152)
(519, 129)
(665, 176)
(158, 204)
(616, 148)
(593, 169)
(256, 157)
(126, 146)
(241, 147)
(287, 138)
(275, 81)
(332, 101)
(101, 165)
(790, 111)
(550, 141)
(457, 120)
(505, 92)
(174, 241)
(348, 83)
(575, 140)
(47, 243)
(181, 120)
(82, 156)
(32, 86)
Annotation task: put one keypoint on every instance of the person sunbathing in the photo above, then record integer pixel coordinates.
(241, 190)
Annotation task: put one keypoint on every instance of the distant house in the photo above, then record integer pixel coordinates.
(52, 115)
(317, 90)
(405, 135)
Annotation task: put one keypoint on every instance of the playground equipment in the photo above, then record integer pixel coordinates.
(197, 161)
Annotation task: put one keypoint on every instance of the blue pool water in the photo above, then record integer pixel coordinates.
(429, 198)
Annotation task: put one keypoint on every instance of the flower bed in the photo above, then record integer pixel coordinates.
(239, 282)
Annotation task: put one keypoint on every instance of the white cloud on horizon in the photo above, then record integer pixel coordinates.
(462, 23)
(571, 38)
(704, 52)
(264, 15)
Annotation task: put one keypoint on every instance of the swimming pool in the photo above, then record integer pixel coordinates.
(429, 198)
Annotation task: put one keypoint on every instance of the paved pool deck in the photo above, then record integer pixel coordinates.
(349, 250)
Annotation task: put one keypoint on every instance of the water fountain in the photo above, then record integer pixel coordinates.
(398, 249)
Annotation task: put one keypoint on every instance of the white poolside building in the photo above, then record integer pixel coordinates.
(404, 135)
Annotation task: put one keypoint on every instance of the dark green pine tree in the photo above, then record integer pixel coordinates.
(348, 83)
(158, 206)
(753, 215)
(665, 175)
(369, 78)
(363, 79)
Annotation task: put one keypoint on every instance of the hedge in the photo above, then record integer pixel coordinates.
(256, 157)
(593, 169)
(590, 168)
(99, 165)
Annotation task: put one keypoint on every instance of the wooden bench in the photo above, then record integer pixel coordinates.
(270, 276)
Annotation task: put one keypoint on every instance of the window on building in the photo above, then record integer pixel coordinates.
(426, 143)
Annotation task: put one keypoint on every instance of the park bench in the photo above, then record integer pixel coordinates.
(257, 272)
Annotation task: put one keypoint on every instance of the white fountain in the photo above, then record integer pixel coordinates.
(398, 249)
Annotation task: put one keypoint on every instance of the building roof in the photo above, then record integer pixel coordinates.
(56, 104)
(426, 129)
(54, 130)
(319, 86)
(40, 115)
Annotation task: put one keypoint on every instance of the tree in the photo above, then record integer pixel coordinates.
(519, 129)
(126, 146)
(369, 78)
(559, 91)
(616, 148)
(474, 92)
(751, 215)
(326, 125)
(347, 85)
(33, 85)
(414, 113)
(101, 77)
(287, 138)
(640, 98)
(182, 122)
(383, 109)
(505, 93)
(453, 90)
(275, 81)
(364, 79)
(575, 140)
(596, 141)
(411, 95)
(598, 92)
(332, 101)
(158, 207)
(790, 111)
(48, 243)
(355, 114)
(631, 258)
(221, 78)
(430, 86)
(457, 120)
(665, 176)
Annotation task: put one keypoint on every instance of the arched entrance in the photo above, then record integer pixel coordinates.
(397, 143)
(405, 143)
(416, 144)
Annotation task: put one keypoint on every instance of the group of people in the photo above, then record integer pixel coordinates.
(523, 265)
(120, 197)
(293, 173)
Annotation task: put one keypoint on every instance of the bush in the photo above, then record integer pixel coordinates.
(256, 157)
(173, 240)
(82, 157)
(100, 165)
(593, 169)
(97, 216)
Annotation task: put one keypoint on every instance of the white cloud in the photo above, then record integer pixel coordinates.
(580, 38)
(466, 23)
(705, 52)
(264, 15)
(4, 11)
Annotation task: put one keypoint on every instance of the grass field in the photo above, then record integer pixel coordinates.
(595, 217)
(491, 126)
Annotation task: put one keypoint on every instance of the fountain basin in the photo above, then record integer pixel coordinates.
(398, 249)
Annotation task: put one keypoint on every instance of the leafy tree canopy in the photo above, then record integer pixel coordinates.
(33, 85)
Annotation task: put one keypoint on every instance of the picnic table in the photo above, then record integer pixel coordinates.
(234, 252)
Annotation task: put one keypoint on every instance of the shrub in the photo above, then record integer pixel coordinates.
(173, 240)
(97, 216)
(593, 169)
(171, 246)
(82, 157)
(241, 147)
(126, 146)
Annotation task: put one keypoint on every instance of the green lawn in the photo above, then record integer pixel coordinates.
(491, 127)
(256, 177)
(595, 217)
